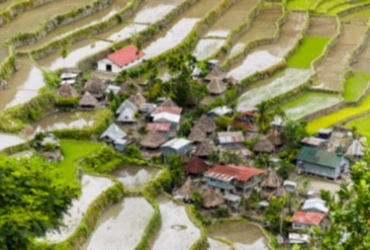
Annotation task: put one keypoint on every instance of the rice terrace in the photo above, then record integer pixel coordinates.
(184, 124)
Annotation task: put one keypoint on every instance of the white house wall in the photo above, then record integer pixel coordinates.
(102, 65)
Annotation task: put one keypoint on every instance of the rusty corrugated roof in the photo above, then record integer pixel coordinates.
(158, 126)
(229, 172)
(171, 110)
(307, 218)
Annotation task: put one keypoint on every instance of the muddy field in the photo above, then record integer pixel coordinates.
(322, 27)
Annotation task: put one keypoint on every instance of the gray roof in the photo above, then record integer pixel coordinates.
(127, 115)
(127, 104)
(114, 132)
(176, 143)
(230, 137)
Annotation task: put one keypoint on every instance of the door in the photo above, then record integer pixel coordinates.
(109, 68)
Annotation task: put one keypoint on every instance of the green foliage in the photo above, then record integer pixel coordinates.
(229, 157)
(66, 103)
(49, 147)
(196, 197)
(222, 122)
(185, 129)
(33, 198)
(104, 160)
(52, 78)
(294, 132)
(176, 168)
(230, 94)
(222, 212)
(267, 115)
(272, 214)
(133, 151)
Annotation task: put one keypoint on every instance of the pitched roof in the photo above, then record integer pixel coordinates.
(206, 123)
(176, 143)
(251, 113)
(216, 86)
(125, 55)
(356, 148)
(230, 137)
(88, 100)
(315, 205)
(197, 134)
(205, 148)
(276, 137)
(158, 127)
(127, 115)
(166, 117)
(171, 110)
(67, 91)
(186, 190)
(307, 218)
(114, 132)
(126, 86)
(196, 166)
(210, 198)
(229, 172)
(216, 72)
(153, 139)
(264, 145)
(169, 103)
(137, 99)
(221, 111)
(272, 180)
(314, 141)
(127, 104)
(95, 86)
(319, 157)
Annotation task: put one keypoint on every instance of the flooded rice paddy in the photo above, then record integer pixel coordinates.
(135, 177)
(263, 57)
(244, 235)
(284, 81)
(9, 141)
(217, 245)
(322, 27)
(65, 120)
(92, 187)
(358, 17)
(177, 230)
(330, 71)
(121, 226)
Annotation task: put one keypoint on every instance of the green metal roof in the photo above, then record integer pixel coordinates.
(319, 157)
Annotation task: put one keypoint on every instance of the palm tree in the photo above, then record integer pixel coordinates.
(265, 116)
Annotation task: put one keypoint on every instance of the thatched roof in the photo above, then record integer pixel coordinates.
(88, 100)
(197, 134)
(276, 137)
(28, 131)
(210, 198)
(169, 103)
(67, 91)
(216, 86)
(205, 148)
(264, 145)
(280, 191)
(152, 140)
(186, 190)
(196, 166)
(95, 86)
(137, 99)
(216, 72)
(129, 86)
(272, 180)
(206, 123)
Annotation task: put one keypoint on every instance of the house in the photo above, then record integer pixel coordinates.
(315, 205)
(249, 116)
(196, 166)
(70, 75)
(165, 117)
(122, 59)
(319, 162)
(275, 137)
(112, 88)
(211, 199)
(177, 146)
(306, 220)
(290, 186)
(129, 86)
(196, 73)
(212, 63)
(233, 139)
(356, 149)
(137, 99)
(220, 111)
(152, 140)
(271, 181)
(171, 110)
(185, 191)
(147, 108)
(168, 103)
(205, 148)
(206, 124)
(161, 128)
(67, 91)
(96, 87)
(197, 134)
(126, 112)
(297, 238)
(264, 145)
(216, 86)
(127, 104)
(325, 133)
(230, 178)
(313, 142)
(116, 136)
(88, 101)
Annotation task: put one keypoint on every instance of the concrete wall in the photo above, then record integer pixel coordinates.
(219, 183)
(102, 65)
(319, 170)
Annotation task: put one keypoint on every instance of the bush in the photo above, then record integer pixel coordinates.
(222, 212)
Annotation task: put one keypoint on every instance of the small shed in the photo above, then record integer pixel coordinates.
(165, 117)
(205, 148)
(137, 99)
(233, 139)
(120, 144)
(270, 183)
(264, 145)
(67, 91)
(152, 140)
(216, 72)
(206, 123)
(127, 104)
(112, 134)
(276, 137)
(315, 206)
(88, 101)
(313, 142)
(112, 88)
(197, 134)
(127, 116)
(96, 87)
(212, 63)
(216, 86)
(290, 186)
(196, 166)
(325, 133)
(306, 220)
(162, 128)
(356, 149)
(169, 103)
(220, 111)
(211, 199)
(177, 146)
(186, 190)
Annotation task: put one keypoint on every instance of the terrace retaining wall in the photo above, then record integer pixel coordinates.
(324, 111)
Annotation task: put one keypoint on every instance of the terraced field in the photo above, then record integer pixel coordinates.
(311, 58)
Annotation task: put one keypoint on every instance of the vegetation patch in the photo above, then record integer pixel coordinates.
(360, 125)
(309, 50)
(301, 4)
(355, 86)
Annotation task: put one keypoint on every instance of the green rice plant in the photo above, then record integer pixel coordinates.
(301, 4)
(361, 124)
(355, 86)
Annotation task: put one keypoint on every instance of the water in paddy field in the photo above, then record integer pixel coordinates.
(135, 177)
(9, 141)
(217, 245)
(177, 230)
(244, 235)
(92, 187)
(65, 120)
(155, 10)
(121, 226)
(207, 47)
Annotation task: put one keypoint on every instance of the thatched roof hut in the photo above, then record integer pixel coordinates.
(210, 198)
(137, 99)
(152, 140)
(169, 103)
(96, 87)
(129, 86)
(206, 123)
(205, 148)
(88, 101)
(216, 72)
(280, 191)
(196, 166)
(67, 91)
(186, 190)
(272, 180)
(264, 145)
(216, 86)
(197, 134)
(276, 137)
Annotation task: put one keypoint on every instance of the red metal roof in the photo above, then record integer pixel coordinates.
(171, 110)
(196, 166)
(126, 55)
(307, 218)
(250, 113)
(244, 124)
(229, 172)
(158, 126)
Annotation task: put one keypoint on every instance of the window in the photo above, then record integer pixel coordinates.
(109, 68)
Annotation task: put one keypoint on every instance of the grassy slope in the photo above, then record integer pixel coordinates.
(72, 151)
(301, 4)
(362, 124)
(355, 85)
(339, 116)
(311, 48)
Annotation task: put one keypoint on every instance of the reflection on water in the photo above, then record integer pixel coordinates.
(9, 141)
(135, 177)
(65, 120)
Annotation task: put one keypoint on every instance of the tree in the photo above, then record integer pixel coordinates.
(294, 132)
(214, 157)
(223, 122)
(267, 115)
(229, 157)
(176, 169)
(64, 54)
(196, 197)
(272, 214)
(33, 199)
(133, 151)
